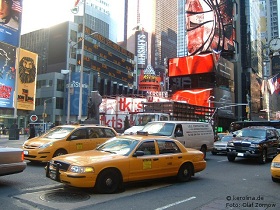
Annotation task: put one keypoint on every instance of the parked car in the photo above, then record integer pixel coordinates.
(126, 158)
(11, 161)
(275, 168)
(66, 139)
(254, 142)
(220, 146)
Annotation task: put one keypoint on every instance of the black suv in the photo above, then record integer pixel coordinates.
(254, 142)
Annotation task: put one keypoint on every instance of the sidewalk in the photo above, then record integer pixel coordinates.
(5, 142)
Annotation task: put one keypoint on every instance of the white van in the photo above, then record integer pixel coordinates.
(197, 135)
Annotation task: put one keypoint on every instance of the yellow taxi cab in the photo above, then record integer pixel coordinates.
(66, 139)
(125, 159)
(275, 169)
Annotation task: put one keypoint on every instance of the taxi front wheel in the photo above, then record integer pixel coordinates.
(59, 152)
(108, 181)
(185, 172)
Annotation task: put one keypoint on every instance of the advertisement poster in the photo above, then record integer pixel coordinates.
(27, 75)
(75, 92)
(7, 75)
(10, 21)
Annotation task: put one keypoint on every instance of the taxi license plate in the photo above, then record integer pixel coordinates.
(240, 154)
(52, 174)
(25, 152)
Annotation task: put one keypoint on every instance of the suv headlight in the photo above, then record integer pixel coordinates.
(81, 169)
(275, 165)
(230, 144)
(46, 145)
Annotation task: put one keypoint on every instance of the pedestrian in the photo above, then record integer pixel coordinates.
(31, 131)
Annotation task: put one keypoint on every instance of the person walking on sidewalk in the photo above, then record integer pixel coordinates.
(31, 131)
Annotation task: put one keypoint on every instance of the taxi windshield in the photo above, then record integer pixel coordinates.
(118, 146)
(58, 132)
(159, 128)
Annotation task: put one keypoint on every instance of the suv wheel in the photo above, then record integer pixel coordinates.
(262, 158)
(230, 158)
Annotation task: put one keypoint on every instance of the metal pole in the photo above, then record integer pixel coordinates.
(69, 95)
(82, 67)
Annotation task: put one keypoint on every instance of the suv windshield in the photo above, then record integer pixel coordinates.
(159, 128)
(254, 133)
(58, 132)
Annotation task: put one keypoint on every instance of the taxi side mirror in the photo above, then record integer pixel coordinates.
(138, 153)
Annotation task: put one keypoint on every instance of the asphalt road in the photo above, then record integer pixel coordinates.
(243, 184)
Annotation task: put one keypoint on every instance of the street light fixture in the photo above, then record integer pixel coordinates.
(209, 101)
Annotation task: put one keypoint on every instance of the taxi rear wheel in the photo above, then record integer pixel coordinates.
(108, 181)
(59, 152)
(185, 172)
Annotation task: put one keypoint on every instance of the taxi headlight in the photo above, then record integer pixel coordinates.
(46, 145)
(81, 169)
(275, 164)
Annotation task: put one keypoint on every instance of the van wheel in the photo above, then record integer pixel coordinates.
(203, 150)
(185, 172)
(59, 152)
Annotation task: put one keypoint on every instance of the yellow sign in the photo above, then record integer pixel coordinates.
(79, 146)
(147, 164)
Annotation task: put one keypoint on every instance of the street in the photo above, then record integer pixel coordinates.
(243, 184)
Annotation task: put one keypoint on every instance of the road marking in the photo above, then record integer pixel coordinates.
(221, 161)
(176, 203)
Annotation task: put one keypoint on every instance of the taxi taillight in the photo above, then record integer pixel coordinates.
(22, 156)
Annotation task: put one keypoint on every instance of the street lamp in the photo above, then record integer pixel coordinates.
(209, 101)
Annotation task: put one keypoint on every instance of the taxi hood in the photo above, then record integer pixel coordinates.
(88, 157)
(38, 141)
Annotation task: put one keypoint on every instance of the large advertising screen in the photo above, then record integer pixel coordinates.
(7, 75)
(209, 26)
(191, 65)
(27, 77)
(10, 21)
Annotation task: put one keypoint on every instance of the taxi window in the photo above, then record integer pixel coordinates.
(147, 147)
(95, 133)
(79, 134)
(167, 147)
(109, 132)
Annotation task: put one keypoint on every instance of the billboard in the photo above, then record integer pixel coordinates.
(7, 75)
(10, 21)
(188, 65)
(75, 92)
(209, 26)
(26, 80)
(141, 46)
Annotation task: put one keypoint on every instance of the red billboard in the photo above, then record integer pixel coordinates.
(209, 26)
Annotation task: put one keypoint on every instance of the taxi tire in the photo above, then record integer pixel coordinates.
(59, 152)
(185, 172)
(108, 181)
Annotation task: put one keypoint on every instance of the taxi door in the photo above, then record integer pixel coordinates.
(78, 140)
(146, 166)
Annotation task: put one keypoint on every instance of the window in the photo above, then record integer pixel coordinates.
(167, 147)
(79, 134)
(147, 147)
(109, 132)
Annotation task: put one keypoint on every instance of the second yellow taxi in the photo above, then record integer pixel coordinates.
(125, 159)
(275, 168)
(66, 139)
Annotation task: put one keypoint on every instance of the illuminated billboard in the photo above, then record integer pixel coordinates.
(209, 26)
(10, 21)
(190, 65)
(7, 75)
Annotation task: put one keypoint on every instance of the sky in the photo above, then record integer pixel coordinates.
(39, 14)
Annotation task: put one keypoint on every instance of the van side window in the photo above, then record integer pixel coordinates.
(95, 133)
(147, 147)
(167, 147)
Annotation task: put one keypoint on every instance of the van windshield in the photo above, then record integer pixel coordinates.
(159, 128)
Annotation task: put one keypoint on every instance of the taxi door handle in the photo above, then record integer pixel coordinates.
(155, 159)
(179, 157)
